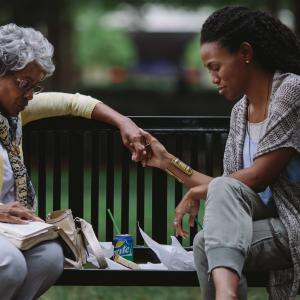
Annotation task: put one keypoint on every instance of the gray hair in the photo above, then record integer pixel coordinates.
(20, 46)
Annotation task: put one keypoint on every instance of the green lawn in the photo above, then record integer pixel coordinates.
(134, 293)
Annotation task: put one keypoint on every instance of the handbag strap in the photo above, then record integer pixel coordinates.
(92, 240)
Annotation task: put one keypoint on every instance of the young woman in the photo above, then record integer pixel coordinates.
(252, 212)
(25, 60)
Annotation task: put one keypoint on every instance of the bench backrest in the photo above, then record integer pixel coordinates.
(82, 164)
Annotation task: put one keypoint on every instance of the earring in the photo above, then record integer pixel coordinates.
(247, 61)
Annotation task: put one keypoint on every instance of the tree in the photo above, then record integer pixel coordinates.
(53, 18)
(56, 19)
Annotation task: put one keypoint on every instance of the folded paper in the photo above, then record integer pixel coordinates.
(173, 256)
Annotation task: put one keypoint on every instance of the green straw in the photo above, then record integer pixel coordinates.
(113, 221)
(198, 223)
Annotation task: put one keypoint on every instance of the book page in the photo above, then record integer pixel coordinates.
(24, 230)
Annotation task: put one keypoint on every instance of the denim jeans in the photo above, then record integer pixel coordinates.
(240, 233)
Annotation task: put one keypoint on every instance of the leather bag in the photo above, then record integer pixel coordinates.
(76, 234)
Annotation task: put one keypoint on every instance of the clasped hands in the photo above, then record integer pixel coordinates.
(154, 154)
(134, 140)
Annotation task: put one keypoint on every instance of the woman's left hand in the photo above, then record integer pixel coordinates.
(133, 139)
(189, 204)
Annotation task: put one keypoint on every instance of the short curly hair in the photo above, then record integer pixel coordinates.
(275, 46)
(20, 46)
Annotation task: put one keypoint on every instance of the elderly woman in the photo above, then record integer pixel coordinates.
(25, 60)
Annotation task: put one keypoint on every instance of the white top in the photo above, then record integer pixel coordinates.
(257, 130)
(8, 188)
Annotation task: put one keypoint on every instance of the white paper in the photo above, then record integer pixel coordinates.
(115, 266)
(173, 256)
(21, 231)
(151, 266)
(107, 249)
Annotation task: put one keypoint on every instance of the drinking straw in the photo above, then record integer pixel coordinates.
(198, 223)
(114, 222)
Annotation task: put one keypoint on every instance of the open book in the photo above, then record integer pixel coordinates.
(25, 236)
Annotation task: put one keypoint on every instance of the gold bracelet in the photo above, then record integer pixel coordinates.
(172, 174)
(180, 165)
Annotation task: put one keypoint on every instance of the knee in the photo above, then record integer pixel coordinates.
(55, 257)
(51, 259)
(13, 270)
(199, 245)
(223, 182)
(200, 258)
(220, 186)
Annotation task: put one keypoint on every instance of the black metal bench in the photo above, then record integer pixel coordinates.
(83, 165)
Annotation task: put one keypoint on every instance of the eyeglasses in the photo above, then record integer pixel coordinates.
(25, 86)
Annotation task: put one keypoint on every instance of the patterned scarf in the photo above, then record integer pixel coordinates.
(10, 136)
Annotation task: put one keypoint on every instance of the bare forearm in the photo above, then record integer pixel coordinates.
(106, 114)
(250, 178)
(193, 180)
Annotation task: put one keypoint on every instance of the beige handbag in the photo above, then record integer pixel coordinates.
(76, 234)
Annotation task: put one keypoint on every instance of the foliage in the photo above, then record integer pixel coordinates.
(192, 54)
(111, 4)
(96, 45)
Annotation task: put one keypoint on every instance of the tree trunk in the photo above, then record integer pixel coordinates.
(54, 20)
(60, 31)
(296, 10)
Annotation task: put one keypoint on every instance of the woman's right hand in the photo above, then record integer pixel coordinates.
(189, 204)
(158, 156)
(16, 213)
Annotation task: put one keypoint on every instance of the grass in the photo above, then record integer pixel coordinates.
(135, 293)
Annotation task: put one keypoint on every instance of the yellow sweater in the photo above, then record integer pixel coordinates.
(46, 105)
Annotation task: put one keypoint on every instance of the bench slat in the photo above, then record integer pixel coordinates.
(76, 172)
(109, 183)
(95, 173)
(41, 194)
(57, 172)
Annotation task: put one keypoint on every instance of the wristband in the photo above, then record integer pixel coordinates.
(180, 165)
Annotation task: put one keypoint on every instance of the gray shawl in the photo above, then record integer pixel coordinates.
(283, 130)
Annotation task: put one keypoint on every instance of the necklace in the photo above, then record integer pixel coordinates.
(261, 125)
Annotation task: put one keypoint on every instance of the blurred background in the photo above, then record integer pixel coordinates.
(141, 57)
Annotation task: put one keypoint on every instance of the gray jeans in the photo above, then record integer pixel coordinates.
(28, 274)
(240, 233)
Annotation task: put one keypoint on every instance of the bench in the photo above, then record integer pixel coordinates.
(82, 164)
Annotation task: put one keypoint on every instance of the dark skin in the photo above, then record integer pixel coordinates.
(13, 100)
(234, 74)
